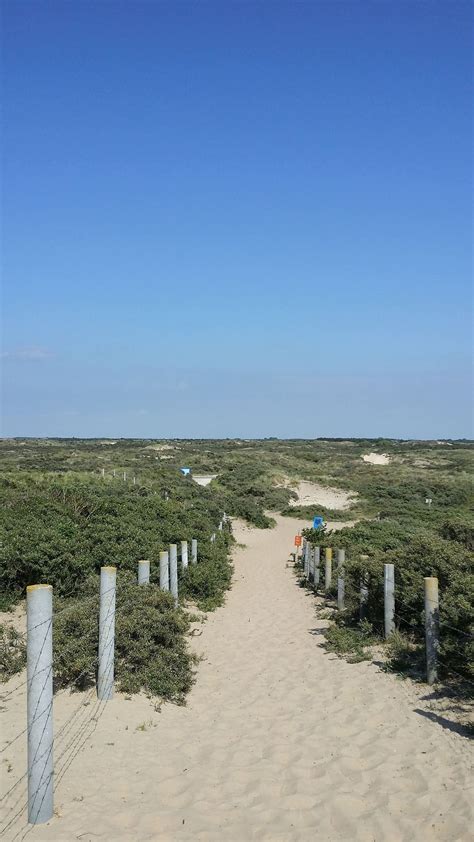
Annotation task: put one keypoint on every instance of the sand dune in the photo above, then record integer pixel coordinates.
(312, 493)
(279, 741)
(376, 458)
(205, 479)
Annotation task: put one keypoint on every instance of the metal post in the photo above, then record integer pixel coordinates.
(143, 572)
(431, 628)
(317, 561)
(105, 680)
(174, 571)
(39, 607)
(364, 591)
(389, 598)
(194, 551)
(340, 590)
(328, 569)
(164, 571)
(184, 554)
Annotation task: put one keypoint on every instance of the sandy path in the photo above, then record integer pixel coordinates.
(279, 740)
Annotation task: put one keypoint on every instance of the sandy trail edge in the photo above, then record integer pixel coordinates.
(279, 740)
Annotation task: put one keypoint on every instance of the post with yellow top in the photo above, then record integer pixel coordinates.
(431, 628)
(328, 569)
(105, 679)
(39, 690)
(143, 572)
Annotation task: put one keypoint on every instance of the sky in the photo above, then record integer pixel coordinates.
(237, 219)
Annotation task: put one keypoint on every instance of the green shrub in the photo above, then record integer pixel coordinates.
(151, 651)
(12, 652)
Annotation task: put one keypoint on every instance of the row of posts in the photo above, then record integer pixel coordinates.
(312, 573)
(39, 607)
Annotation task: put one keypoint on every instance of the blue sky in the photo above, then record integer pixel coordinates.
(237, 219)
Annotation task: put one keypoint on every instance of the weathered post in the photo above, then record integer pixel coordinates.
(39, 688)
(134, 480)
(105, 677)
(184, 554)
(364, 591)
(124, 476)
(194, 551)
(164, 571)
(143, 572)
(340, 558)
(103, 472)
(306, 552)
(174, 571)
(340, 590)
(328, 569)
(317, 562)
(431, 628)
(389, 598)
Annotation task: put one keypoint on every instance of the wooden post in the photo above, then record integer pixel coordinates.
(164, 571)
(328, 569)
(389, 598)
(105, 679)
(431, 628)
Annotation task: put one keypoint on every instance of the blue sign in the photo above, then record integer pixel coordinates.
(185, 471)
(317, 522)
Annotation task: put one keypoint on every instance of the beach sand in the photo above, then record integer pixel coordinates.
(279, 740)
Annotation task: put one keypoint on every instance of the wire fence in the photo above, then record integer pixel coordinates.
(81, 723)
(380, 602)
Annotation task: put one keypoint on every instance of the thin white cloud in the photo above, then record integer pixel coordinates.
(35, 354)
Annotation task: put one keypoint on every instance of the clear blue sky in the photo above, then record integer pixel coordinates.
(237, 219)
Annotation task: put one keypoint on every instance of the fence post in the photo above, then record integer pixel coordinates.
(39, 606)
(317, 561)
(328, 569)
(174, 571)
(164, 571)
(194, 551)
(340, 590)
(105, 678)
(306, 560)
(143, 572)
(364, 591)
(184, 554)
(431, 628)
(389, 598)
(340, 558)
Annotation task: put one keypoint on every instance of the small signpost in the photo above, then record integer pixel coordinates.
(297, 540)
(317, 522)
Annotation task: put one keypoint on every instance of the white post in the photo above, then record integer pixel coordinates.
(431, 628)
(174, 571)
(134, 480)
(114, 472)
(317, 569)
(340, 558)
(184, 554)
(164, 571)
(143, 572)
(39, 688)
(340, 590)
(194, 551)
(328, 569)
(389, 598)
(103, 472)
(105, 680)
(311, 564)
(124, 476)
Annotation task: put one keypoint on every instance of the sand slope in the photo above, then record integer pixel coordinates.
(312, 493)
(279, 740)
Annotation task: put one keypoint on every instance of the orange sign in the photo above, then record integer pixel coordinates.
(297, 540)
